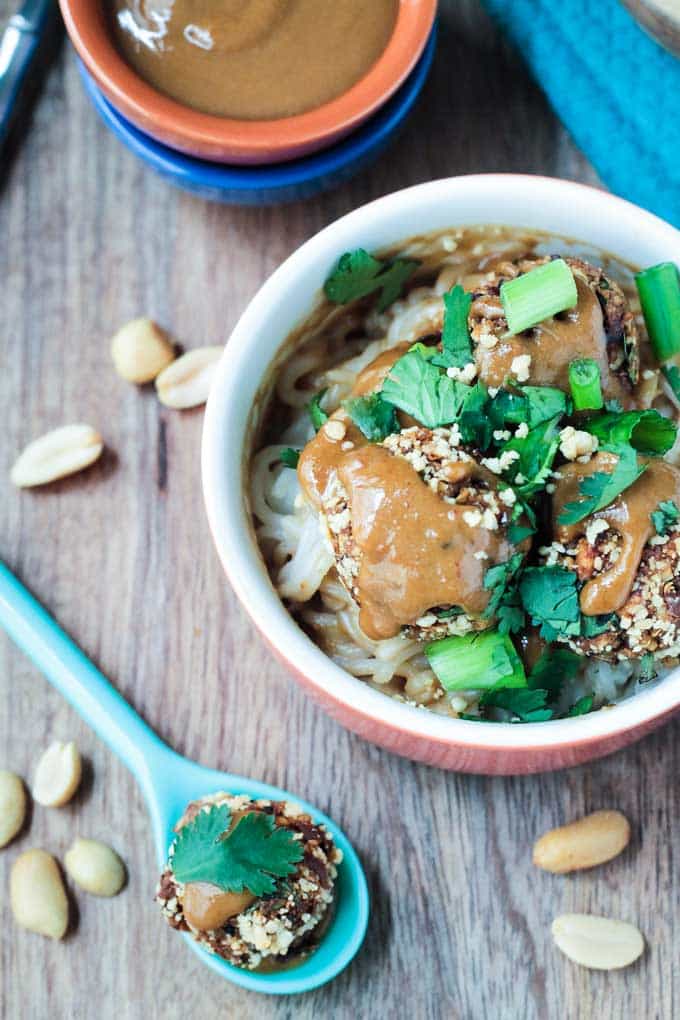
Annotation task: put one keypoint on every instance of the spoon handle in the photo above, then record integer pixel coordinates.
(81, 683)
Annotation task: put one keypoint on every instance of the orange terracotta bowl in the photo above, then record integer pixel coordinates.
(224, 140)
(237, 397)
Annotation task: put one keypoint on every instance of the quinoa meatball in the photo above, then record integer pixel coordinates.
(601, 327)
(627, 570)
(274, 926)
(475, 505)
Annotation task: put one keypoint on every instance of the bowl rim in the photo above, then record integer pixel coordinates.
(224, 435)
(245, 140)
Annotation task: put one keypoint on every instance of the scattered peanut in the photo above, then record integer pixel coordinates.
(597, 942)
(37, 894)
(95, 867)
(140, 350)
(57, 775)
(12, 806)
(57, 454)
(592, 840)
(186, 382)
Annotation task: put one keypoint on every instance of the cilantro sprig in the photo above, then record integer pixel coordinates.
(665, 517)
(646, 431)
(289, 457)
(601, 488)
(420, 389)
(315, 411)
(359, 274)
(456, 347)
(550, 597)
(250, 856)
(373, 415)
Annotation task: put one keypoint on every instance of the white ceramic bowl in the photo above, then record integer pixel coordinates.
(556, 206)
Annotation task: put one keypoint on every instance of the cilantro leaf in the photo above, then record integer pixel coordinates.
(497, 580)
(601, 488)
(554, 667)
(581, 707)
(373, 415)
(456, 347)
(358, 274)
(550, 597)
(665, 516)
(526, 705)
(473, 420)
(646, 431)
(591, 626)
(251, 856)
(289, 457)
(531, 404)
(536, 452)
(518, 532)
(416, 386)
(316, 411)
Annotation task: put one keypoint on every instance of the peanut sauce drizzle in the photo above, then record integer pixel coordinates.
(416, 550)
(552, 344)
(628, 515)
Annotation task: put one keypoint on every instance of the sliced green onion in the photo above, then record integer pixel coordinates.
(585, 385)
(659, 290)
(538, 294)
(479, 661)
(672, 374)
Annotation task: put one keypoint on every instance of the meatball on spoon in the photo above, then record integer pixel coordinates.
(169, 782)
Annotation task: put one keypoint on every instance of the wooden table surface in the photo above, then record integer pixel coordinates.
(122, 556)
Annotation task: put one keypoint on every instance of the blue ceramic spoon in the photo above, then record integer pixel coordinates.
(169, 782)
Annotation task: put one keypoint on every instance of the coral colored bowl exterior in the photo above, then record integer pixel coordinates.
(559, 207)
(224, 140)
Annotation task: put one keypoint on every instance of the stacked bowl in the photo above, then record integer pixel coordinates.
(254, 161)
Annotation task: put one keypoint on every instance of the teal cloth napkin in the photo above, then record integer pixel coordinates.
(615, 89)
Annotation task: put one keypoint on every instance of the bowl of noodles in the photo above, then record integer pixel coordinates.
(441, 469)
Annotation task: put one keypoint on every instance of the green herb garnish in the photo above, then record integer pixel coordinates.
(289, 457)
(251, 856)
(536, 452)
(418, 388)
(358, 274)
(581, 707)
(503, 602)
(647, 668)
(527, 706)
(554, 667)
(456, 347)
(647, 431)
(550, 597)
(373, 415)
(601, 488)
(665, 516)
(531, 404)
(316, 411)
(585, 385)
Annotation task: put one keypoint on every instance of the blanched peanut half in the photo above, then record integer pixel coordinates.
(57, 775)
(597, 942)
(140, 350)
(187, 381)
(57, 454)
(37, 894)
(592, 840)
(12, 806)
(95, 867)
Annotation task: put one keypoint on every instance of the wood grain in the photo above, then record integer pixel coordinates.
(122, 556)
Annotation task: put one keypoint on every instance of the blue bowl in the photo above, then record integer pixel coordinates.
(279, 182)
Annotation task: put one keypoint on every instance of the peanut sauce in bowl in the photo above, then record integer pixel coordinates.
(262, 59)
